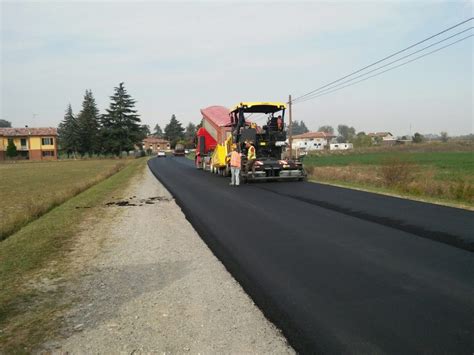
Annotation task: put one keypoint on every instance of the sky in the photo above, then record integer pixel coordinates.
(178, 57)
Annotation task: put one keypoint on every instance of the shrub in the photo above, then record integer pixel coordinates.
(397, 172)
(462, 190)
(11, 149)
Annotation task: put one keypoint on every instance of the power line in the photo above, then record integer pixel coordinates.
(385, 65)
(383, 59)
(384, 71)
(330, 89)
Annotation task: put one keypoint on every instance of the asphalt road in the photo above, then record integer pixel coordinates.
(339, 271)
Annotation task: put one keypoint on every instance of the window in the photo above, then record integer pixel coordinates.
(47, 141)
(23, 142)
(48, 153)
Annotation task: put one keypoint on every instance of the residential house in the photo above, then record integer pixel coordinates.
(341, 146)
(385, 138)
(31, 143)
(312, 140)
(155, 144)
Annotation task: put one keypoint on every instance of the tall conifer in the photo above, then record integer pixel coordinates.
(68, 133)
(88, 126)
(121, 129)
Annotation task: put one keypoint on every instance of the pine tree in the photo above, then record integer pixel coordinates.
(5, 123)
(189, 134)
(88, 126)
(174, 132)
(298, 128)
(146, 130)
(68, 133)
(158, 133)
(11, 149)
(303, 127)
(121, 125)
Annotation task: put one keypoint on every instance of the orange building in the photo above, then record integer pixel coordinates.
(155, 144)
(31, 143)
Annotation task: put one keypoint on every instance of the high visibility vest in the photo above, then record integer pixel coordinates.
(251, 153)
(235, 159)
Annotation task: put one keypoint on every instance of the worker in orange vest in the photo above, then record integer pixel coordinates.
(251, 157)
(235, 164)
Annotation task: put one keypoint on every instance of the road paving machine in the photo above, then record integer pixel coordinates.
(269, 141)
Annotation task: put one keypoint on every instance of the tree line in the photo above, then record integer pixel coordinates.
(175, 133)
(361, 139)
(116, 131)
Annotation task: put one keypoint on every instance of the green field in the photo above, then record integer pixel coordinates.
(28, 190)
(445, 176)
(448, 165)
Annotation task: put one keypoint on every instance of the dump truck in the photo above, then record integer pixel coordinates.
(221, 128)
(179, 150)
(213, 139)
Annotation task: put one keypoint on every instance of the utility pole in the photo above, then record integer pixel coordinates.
(290, 128)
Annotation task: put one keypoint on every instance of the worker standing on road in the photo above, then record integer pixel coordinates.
(251, 158)
(235, 164)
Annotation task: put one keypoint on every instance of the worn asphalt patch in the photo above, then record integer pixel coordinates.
(334, 282)
(133, 202)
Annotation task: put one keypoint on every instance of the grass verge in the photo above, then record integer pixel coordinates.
(39, 251)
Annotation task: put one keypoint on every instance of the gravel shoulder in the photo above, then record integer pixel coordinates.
(154, 286)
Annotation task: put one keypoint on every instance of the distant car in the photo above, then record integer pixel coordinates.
(161, 154)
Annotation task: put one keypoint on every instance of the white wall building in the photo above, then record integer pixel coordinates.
(385, 138)
(341, 146)
(312, 141)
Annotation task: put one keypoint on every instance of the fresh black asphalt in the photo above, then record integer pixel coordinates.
(339, 271)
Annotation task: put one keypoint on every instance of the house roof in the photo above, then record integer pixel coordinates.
(309, 135)
(379, 134)
(155, 140)
(27, 131)
(219, 115)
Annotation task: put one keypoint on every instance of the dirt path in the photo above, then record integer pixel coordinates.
(154, 286)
